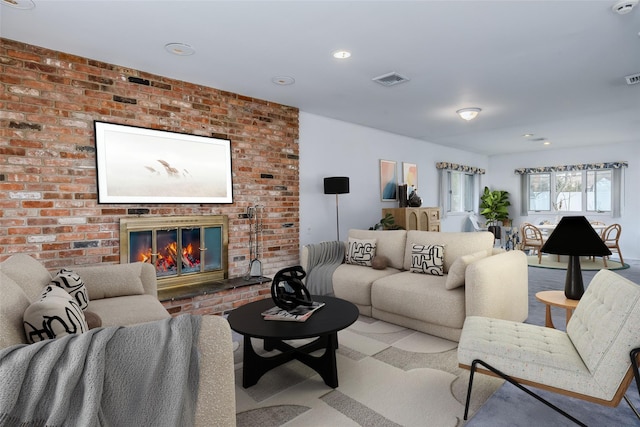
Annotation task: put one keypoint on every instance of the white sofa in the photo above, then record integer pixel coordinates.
(125, 295)
(495, 281)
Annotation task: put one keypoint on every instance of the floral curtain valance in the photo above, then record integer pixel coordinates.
(584, 166)
(460, 168)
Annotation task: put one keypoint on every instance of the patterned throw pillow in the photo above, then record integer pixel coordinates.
(427, 259)
(361, 251)
(54, 315)
(73, 284)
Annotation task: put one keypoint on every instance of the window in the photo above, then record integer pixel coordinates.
(571, 191)
(461, 187)
(582, 189)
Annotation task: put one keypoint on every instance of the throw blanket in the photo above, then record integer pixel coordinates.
(324, 258)
(143, 375)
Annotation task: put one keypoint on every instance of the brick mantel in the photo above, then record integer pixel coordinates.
(48, 190)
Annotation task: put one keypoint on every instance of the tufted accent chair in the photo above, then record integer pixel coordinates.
(596, 359)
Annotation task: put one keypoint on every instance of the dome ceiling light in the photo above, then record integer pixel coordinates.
(469, 113)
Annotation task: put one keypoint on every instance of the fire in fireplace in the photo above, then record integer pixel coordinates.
(185, 250)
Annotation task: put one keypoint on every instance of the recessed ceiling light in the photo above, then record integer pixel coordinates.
(19, 4)
(527, 135)
(468, 113)
(547, 143)
(341, 54)
(180, 49)
(283, 80)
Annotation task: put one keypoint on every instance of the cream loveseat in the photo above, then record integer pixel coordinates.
(478, 280)
(125, 295)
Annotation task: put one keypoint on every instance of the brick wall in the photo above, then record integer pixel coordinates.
(48, 199)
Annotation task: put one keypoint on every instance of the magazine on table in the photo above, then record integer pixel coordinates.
(299, 314)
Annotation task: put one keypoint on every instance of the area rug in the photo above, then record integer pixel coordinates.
(388, 376)
(551, 261)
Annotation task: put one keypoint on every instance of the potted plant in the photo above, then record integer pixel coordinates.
(387, 223)
(494, 207)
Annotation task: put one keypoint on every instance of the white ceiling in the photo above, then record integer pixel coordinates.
(552, 68)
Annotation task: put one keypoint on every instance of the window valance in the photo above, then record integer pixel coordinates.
(584, 166)
(460, 168)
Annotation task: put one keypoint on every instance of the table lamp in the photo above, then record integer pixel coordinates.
(574, 236)
(336, 185)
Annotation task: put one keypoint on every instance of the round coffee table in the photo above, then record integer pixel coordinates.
(323, 325)
(556, 299)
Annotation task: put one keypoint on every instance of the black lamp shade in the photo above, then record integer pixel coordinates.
(336, 185)
(575, 236)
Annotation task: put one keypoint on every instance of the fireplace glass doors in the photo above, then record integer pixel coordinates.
(185, 250)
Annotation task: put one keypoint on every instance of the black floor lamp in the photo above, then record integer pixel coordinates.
(574, 236)
(336, 185)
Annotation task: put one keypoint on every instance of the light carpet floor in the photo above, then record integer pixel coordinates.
(551, 261)
(388, 376)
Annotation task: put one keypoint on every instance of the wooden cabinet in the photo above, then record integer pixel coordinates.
(425, 219)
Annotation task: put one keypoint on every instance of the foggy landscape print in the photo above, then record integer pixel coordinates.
(137, 165)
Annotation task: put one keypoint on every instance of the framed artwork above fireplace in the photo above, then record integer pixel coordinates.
(139, 165)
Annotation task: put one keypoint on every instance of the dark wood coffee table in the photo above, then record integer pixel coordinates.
(323, 325)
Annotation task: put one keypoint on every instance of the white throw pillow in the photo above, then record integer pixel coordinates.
(361, 251)
(54, 315)
(71, 282)
(455, 277)
(427, 259)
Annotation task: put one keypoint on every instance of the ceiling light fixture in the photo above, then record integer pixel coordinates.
(527, 135)
(341, 54)
(19, 4)
(180, 49)
(283, 80)
(469, 113)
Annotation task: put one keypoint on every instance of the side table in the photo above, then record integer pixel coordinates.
(556, 299)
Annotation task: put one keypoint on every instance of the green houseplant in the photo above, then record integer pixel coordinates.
(387, 223)
(494, 206)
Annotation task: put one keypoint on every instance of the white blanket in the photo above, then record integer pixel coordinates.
(143, 375)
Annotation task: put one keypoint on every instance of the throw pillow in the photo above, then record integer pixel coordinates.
(54, 315)
(361, 251)
(379, 262)
(427, 259)
(73, 284)
(455, 277)
(93, 320)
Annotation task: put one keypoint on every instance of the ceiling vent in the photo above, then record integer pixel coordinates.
(390, 79)
(633, 79)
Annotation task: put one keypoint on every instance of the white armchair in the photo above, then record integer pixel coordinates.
(595, 360)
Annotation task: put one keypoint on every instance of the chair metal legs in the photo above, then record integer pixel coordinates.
(520, 386)
(634, 364)
(635, 361)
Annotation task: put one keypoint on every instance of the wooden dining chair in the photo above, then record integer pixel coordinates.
(532, 239)
(611, 237)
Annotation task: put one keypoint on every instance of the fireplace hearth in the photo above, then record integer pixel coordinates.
(185, 250)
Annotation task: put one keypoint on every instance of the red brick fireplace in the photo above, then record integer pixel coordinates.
(48, 191)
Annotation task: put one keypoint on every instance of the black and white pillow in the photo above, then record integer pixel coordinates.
(361, 251)
(54, 315)
(427, 259)
(71, 282)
